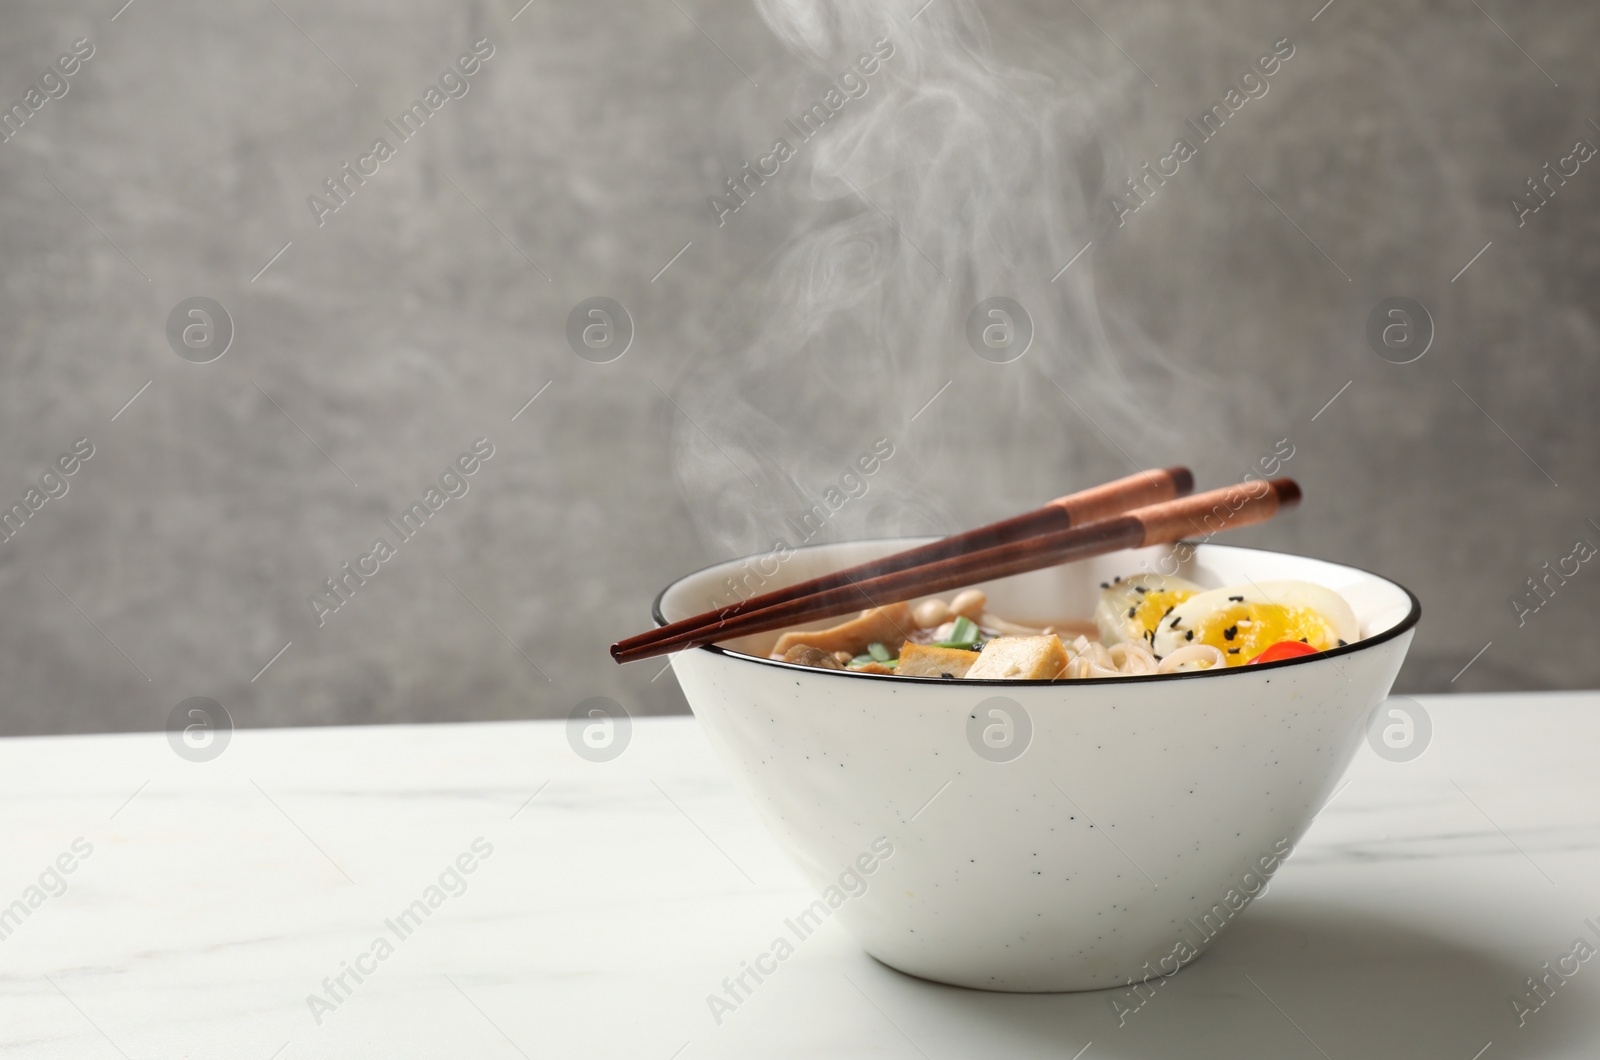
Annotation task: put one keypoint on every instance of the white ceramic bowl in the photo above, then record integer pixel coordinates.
(1067, 835)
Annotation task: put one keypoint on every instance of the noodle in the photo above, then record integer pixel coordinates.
(1090, 658)
(1192, 653)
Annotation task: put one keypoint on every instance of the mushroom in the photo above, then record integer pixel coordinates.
(806, 655)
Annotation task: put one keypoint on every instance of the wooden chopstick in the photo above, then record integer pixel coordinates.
(1156, 524)
(1075, 509)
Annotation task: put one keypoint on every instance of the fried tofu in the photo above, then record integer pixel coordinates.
(884, 625)
(925, 660)
(1020, 659)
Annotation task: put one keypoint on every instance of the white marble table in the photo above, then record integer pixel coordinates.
(215, 897)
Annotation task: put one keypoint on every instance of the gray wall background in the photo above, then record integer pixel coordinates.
(427, 311)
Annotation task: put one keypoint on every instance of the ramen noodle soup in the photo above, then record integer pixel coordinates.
(1148, 624)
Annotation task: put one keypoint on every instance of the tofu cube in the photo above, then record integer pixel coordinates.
(1020, 659)
(925, 660)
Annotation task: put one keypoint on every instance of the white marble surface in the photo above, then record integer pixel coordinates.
(221, 894)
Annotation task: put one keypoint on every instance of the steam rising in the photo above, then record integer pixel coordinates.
(955, 178)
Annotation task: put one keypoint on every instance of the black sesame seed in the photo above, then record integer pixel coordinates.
(1105, 585)
(1233, 651)
(1237, 599)
(1304, 641)
(947, 677)
(1189, 635)
(1343, 642)
(1169, 610)
(1175, 622)
(1141, 590)
(1132, 611)
(1230, 633)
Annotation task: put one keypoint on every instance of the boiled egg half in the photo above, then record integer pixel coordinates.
(1245, 620)
(1130, 609)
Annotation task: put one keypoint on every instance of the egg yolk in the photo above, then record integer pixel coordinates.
(1244, 630)
(1155, 605)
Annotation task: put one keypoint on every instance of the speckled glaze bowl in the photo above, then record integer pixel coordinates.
(1044, 836)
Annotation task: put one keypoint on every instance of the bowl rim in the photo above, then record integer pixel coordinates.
(1405, 625)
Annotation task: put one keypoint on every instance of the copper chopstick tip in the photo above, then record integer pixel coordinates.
(1182, 479)
(1288, 491)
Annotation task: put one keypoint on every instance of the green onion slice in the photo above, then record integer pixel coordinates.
(964, 635)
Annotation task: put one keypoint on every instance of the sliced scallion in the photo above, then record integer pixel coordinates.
(963, 634)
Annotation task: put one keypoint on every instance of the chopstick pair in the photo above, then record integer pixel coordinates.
(1149, 508)
(1075, 509)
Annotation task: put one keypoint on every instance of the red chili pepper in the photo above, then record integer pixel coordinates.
(1284, 649)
